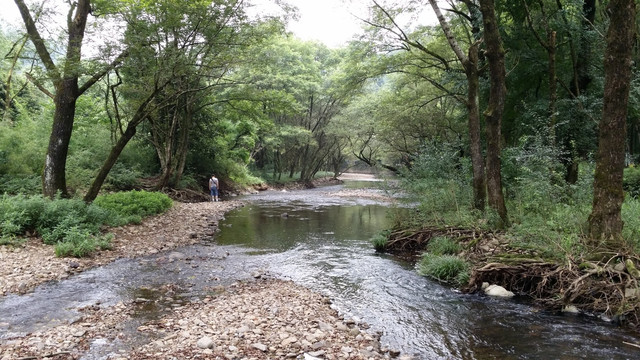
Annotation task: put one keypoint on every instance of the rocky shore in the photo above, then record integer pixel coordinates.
(258, 319)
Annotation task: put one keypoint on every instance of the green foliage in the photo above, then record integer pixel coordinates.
(442, 245)
(73, 226)
(445, 268)
(20, 184)
(61, 214)
(631, 181)
(440, 179)
(631, 229)
(123, 178)
(132, 206)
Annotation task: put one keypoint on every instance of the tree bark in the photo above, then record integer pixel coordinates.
(495, 108)
(605, 222)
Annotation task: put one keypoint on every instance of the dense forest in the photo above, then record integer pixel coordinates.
(505, 115)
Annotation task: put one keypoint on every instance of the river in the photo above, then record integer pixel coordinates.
(323, 242)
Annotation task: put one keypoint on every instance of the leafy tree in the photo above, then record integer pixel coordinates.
(179, 56)
(65, 78)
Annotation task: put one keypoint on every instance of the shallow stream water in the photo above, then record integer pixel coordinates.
(323, 242)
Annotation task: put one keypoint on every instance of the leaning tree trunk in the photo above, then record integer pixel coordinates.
(605, 223)
(495, 108)
(116, 150)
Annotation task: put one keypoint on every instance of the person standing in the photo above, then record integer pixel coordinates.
(213, 188)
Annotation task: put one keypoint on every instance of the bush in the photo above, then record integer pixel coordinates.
(19, 214)
(442, 245)
(444, 268)
(60, 214)
(132, 206)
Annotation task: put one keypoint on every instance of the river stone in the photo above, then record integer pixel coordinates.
(288, 341)
(260, 347)
(316, 355)
(571, 309)
(498, 291)
(205, 343)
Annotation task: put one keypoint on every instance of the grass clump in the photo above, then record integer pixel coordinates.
(449, 269)
(132, 206)
(380, 240)
(443, 245)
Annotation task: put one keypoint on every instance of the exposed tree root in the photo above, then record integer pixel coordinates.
(606, 287)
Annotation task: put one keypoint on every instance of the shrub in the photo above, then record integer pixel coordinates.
(66, 213)
(444, 268)
(19, 214)
(132, 206)
(442, 245)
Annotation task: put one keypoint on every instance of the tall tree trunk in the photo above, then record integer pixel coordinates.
(473, 109)
(183, 147)
(470, 65)
(495, 108)
(605, 223)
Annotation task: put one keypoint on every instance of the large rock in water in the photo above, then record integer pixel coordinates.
(497, 291)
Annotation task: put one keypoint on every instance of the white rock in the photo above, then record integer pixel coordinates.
(498, 291)
(205, 343)
(571, 309)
